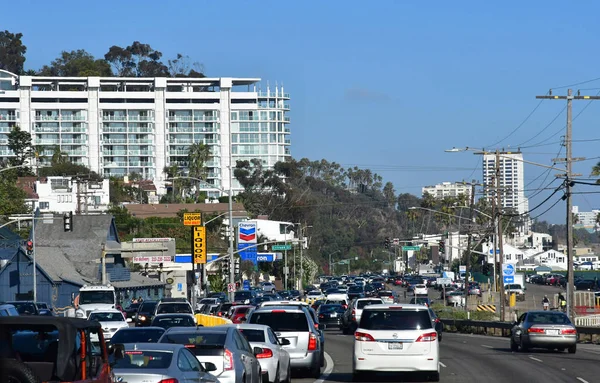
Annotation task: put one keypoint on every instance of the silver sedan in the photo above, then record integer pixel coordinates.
(544, 329)
(274, 360)
(156, 362)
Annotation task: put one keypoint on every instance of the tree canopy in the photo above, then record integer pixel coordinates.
(12, 52)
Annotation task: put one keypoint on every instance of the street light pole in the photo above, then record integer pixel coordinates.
(231, 227)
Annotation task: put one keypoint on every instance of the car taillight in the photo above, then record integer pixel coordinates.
(536, 330)
(312, 342)
(227, 360)
(278, 311)
(354, 313)
(170, 380)
(569, 331)
(345, 306)
(321, 316)
(219, 314)
(267, 353)
(428, 337)
(363, 337)
(317, 326)
(437, 320)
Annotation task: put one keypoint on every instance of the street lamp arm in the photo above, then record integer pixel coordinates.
(244, 249)
(14, 167)
(477, 210)
(221, 215)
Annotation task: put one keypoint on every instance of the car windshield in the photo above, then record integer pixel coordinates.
(208, 301)
(385, 294)
(107, 317)
(95, 297)
(295, 293)
(174, 308)
(196, 338)
(280, 320)
(147, 307)
(314, 292)
(419, 301)
(323, 309)
(362, 304)
(173, 321)
(133, 307)
(137, 336)
(395, 319)
(137, 359)
(241, 310)
(548, 318)
(252, 335)
(24, 308)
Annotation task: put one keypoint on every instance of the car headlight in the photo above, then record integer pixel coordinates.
(80, 314)
(142, 317)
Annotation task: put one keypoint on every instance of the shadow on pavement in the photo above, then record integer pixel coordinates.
(378, 377)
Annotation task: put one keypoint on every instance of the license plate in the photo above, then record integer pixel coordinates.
(333, 315)
(552, 332)
(395, 346)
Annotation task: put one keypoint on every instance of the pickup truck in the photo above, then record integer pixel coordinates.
(515, 288)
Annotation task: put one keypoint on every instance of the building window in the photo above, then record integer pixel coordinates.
(44, 205)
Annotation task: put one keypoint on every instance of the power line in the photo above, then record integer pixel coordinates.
(547, 210)
(518, 126)
(544, 129)
(576, 84)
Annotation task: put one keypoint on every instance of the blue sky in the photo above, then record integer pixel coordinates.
(384, 85)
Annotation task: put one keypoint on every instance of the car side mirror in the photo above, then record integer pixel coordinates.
(257, 350)
(209, 367)
(284, 342)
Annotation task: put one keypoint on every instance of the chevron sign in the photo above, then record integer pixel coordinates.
(247, 232)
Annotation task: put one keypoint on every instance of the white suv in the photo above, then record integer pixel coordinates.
(396, 338)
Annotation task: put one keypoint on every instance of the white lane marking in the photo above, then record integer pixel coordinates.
(442, 364)
(328, 369)
(536, 359)
(582, 380)
(486, 346)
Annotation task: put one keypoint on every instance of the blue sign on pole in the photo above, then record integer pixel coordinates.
(246, 284)
(508, 273)
(248, 253)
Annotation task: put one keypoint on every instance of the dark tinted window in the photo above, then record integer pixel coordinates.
(24, 308)
(147, 307)
(253, 335)
(355, 289)
(395, 319)
(167, 322)
(281, 321)
(137, 336)
(144, 360)
(385, 294)
(330, 309)
(242, 295)
(362, 304)
(196, 338)
(174, 308)
(548, 318)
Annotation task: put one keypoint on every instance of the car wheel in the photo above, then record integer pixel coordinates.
(288, 378)
(345, 330)
(277, 376)
(573, 349)
(323, 359)
(523, 347)
(434, 377)
(513, 345)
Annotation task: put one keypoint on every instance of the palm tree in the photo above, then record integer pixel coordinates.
(58, 156)
(198, 154)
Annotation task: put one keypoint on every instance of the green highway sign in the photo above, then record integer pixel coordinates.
(282, 247)
(409, 248)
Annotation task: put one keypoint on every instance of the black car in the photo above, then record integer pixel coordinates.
(137, 335)
(173, 320)
(244, 296)
(330, 316)
(30, 308)
(131, 310)
(145, 313)
(294, 295)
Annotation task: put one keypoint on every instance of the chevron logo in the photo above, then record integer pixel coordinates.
(247, 233)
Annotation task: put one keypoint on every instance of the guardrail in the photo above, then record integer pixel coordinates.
(503, 329)
(211, 320)
(588, 321)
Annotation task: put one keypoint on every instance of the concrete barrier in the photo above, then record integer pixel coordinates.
(211, 320)
(588, 321)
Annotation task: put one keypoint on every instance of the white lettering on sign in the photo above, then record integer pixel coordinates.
(262, 258)
(153, 259)
(153, 239)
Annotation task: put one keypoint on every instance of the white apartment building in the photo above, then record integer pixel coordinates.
(586, 219)
(448, 189)
(512, 180)
(118, 126)
(66, 194)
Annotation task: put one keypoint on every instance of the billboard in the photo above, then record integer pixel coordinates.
(247, 232)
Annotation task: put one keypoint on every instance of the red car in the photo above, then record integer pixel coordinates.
(237, 313)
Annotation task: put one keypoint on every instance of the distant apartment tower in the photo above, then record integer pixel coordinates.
(586, 219)
(512, 180)
(448, 189)
(119, 126)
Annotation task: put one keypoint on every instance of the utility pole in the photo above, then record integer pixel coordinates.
(568, 175)
(500, 236)
(301, 238)
(469, 239)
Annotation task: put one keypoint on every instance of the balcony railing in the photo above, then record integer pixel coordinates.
(193, 118)
(127, 118)
(73, 141)
(142, 141)
(286, 119)
(273, 95)
(68, 117)
(8, 117)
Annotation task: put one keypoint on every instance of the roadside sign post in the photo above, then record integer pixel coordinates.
(199, 245)
(281, 247)
(508, 273)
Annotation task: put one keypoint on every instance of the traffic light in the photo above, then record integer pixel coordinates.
(442, 246)
(237, 266)
(225, 266)
(29, 246)
(68, 221)
(387, 243)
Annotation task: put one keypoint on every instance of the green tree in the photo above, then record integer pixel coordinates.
(12, 52)
(596, 171)
(390, 194)
(19, 142)
(12, 198)
(136, 60)
(59, 157)
(77, 63)
(182, 66)
(198, 155)
(69, 169)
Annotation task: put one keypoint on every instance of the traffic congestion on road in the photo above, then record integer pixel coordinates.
(366, 328)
